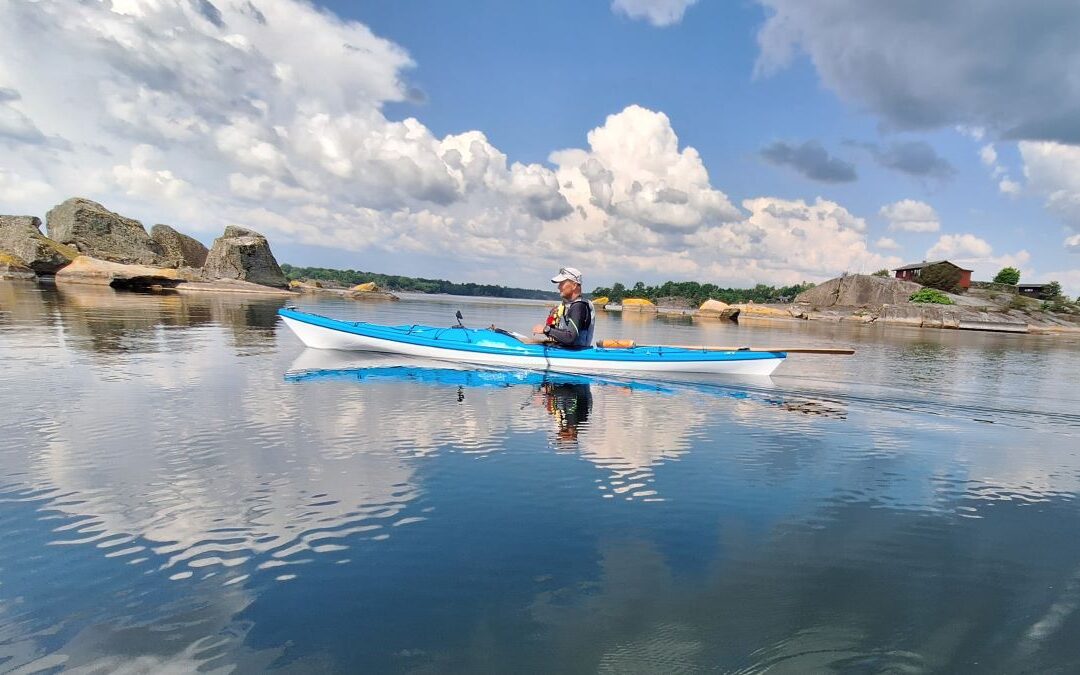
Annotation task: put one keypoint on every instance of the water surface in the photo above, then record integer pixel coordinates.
(183, 486)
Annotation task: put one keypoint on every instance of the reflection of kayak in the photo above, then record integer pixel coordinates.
(343, 366)
(499, 348)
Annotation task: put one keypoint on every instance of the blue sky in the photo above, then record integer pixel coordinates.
(737, 143)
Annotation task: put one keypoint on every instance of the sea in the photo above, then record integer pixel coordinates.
(185, 488)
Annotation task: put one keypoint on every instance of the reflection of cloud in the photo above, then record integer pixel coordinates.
(631, 432)
(630, 427)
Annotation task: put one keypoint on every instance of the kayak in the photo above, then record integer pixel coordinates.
(496, 347)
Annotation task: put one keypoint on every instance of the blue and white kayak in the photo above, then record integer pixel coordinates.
(493, 347)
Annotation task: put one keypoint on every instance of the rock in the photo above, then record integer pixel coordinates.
(14, 268)
(21, 236)
(944, 316)
(673, 302)
(859, 290)
(369, 287)
(638, 305)
(229, 286)
(95, 231)
(178, 250)
(601, 302)
(750, 310)
(720, 310)
(365, 295)
(87, 270)
(243, 254)
(305, 285)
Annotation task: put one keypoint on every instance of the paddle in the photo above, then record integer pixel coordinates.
(630, 344)
(521, 338)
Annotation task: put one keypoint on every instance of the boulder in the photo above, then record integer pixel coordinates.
(87, 270)
(13, 268)
(21, 236)
(751, 310)
(638, 305)
(859, 290)
(95, 231)
(178, 250)
(601, 302)
(243, 254)
(720, 310)
(365, 295)
(229, 286)
(369, 287)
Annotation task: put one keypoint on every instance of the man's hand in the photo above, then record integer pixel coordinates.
(538, 329)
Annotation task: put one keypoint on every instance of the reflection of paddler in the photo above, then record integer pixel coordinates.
(570, 405)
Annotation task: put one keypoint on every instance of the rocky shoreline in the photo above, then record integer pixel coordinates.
(87, 243)
(865, 299)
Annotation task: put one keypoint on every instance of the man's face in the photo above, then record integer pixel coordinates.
(567, 288)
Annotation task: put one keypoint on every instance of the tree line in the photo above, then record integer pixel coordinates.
(698, 293)
(692, 291)
(405, 284)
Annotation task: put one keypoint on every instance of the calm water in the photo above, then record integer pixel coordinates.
(183, 486)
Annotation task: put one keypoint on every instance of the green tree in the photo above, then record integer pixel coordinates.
(1053, 290)
(1008, 275)
(942, 276)
(881, 273)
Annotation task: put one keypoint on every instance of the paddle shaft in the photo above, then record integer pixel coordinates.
(628, 344)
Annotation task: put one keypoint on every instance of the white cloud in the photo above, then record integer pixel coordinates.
(140, 179)
(659, 13)
(1053, 172)
(18, 193)
(977, 254)
(782, 239)
(207, 120)
(909, 215)
(1073, 243)
(15, 125)
(959, 246)
(1009, 187)
(988, 155)
(887, 244)
(635, 171)
(974, 133)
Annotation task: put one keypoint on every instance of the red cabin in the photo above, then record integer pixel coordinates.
(912, 272)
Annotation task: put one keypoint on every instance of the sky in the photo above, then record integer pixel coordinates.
(759, 141)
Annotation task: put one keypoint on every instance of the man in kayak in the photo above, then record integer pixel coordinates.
(569, 325)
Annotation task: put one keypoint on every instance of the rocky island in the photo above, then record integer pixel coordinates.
(868, 299)
(87, 243)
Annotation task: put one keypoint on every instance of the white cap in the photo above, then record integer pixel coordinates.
(567, 274)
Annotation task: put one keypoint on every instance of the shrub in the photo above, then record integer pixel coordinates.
(942, 277)
(1008, 275)
(1053, 290)
(930, 295)
(1019, 302)
(881, 273)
